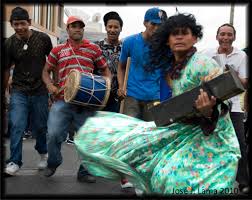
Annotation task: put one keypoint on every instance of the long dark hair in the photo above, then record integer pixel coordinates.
(160, 52)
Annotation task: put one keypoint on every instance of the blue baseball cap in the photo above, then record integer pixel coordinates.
(153, 15)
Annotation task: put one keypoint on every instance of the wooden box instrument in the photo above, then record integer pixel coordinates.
(176, 108)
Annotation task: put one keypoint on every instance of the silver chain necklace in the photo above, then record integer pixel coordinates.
(25, 47)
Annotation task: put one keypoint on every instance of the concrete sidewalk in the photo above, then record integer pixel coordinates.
(30, 181)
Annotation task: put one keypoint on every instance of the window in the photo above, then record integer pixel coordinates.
(60, 15)
(49, 17)
(37, 14)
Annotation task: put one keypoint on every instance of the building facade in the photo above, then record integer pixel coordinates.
(47, 18)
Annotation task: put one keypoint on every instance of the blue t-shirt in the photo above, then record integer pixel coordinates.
(141, 85)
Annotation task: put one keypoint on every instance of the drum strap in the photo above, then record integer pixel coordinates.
(76, 58)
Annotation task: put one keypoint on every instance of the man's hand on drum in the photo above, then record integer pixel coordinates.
(121, 94)
(52, 89)
(204, 104)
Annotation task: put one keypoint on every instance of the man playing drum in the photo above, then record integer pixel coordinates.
(78, 54)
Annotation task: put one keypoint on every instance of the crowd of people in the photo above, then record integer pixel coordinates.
(207, 152)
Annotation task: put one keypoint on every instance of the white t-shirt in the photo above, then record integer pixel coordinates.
(238, 60)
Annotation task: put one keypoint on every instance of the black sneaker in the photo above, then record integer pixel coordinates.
(84, 176)
(87, 178)
(69, 141)
(244, 189)
(27, 135)
(49, 171)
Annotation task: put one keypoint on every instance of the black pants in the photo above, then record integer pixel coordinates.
(243, 172)
(71, 132)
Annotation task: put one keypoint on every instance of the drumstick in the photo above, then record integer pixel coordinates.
(125, 83)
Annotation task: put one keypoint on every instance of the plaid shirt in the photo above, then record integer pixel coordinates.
(111, 53)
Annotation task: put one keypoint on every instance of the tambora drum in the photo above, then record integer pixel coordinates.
(87, 89)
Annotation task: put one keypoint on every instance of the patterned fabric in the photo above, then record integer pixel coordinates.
(111, 53)
(28, 63)
(85, 58)
(176, 159)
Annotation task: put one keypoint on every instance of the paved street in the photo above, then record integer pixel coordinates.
(30, 181)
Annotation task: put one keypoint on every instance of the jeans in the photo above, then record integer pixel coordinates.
(61, 116)
(20, 107)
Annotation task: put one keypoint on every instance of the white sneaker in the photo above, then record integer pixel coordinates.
(11, 168)
(126, 184)
(138, 192)
(43, 161)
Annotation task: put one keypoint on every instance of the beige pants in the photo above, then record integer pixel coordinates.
(137, 108)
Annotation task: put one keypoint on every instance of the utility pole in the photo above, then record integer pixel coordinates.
(231, 21)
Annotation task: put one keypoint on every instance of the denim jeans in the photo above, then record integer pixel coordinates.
(61, 116)
(20, 107)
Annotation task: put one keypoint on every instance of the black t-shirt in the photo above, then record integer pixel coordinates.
(29, 64)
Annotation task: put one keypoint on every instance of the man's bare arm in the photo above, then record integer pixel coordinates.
(48, 80)
(106, 72)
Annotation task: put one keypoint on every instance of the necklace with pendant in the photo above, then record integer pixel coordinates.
(25, 47)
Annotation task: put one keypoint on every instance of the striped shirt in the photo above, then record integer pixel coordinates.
(85, 57)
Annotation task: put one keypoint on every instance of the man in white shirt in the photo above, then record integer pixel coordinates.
(237, 59)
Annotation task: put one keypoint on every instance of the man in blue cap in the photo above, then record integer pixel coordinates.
(142, 87)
